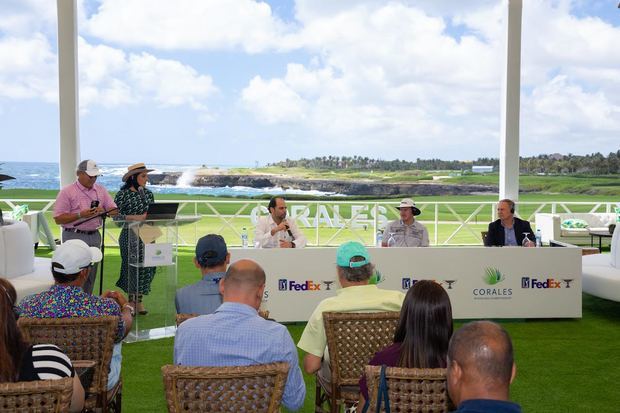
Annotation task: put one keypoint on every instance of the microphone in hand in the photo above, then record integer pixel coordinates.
(288, 229)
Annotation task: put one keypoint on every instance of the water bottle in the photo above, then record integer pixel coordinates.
(538, 238)
(244, 237)
(379, 238)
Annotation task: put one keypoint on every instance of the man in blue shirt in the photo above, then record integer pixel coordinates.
(508, 230)
(481, 368)
(212, 258)
(235, 335)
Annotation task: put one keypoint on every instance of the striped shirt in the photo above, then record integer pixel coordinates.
(76, 197)
(45, 362)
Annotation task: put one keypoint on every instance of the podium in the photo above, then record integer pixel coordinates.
(152, 260)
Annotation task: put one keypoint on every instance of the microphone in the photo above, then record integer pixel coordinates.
(142, 194)
(288, 229)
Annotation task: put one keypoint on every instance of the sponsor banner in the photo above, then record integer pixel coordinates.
(481, 282)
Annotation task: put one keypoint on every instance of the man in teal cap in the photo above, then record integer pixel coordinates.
(356, 295)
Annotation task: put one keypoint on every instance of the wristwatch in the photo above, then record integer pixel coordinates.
(132, 311)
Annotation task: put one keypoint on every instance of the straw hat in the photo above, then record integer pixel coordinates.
(135, 169)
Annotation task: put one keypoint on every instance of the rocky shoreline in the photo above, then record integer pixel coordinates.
(344, 187)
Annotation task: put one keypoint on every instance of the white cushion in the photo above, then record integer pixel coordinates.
(41, 279)
(16, 250)
(615, 249)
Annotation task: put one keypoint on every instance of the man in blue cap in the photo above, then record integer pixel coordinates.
(212, 258)
(356, 296)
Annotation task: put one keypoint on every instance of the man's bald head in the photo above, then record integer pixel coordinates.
(244, 275)
(484, 352)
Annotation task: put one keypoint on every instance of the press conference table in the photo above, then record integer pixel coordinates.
(509, 282)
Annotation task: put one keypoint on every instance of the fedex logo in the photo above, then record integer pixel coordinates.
(292, 285)
(527, 282)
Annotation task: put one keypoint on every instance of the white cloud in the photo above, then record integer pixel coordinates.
(188, 24)
(28, 68)
(273, 101)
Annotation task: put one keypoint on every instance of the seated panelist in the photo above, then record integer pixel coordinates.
(509, 230)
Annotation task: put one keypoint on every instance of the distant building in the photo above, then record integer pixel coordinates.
(481, 169)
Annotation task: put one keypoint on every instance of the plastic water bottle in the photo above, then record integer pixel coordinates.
(244, 237)
(538, 238)
(379, 238)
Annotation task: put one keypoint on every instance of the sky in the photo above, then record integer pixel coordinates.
(245, 83)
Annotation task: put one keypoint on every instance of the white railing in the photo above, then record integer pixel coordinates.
(329, 223)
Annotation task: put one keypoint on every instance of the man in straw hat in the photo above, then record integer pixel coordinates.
(79, 201)
(406, 232)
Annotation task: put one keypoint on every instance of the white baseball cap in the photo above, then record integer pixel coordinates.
(89, 167)
(74, 255)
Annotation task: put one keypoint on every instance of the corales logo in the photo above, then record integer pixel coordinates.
(492, 277)
(527, 282)
(292, 285)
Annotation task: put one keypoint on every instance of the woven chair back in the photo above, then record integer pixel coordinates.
(353, 339)
(410, 390)
(87, 338)
(41, 396)
(184, 317)
(256, 388)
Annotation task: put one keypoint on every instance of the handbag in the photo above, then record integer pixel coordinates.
(382, 394)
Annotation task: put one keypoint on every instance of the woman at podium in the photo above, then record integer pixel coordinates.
(133, 200)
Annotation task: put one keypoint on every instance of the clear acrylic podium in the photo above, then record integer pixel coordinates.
(152, 252)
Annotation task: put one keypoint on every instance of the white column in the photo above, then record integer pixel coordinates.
(68, 90)
(509, 139)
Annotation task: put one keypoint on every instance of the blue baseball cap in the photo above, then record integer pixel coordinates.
(351, 249)
(211, 249)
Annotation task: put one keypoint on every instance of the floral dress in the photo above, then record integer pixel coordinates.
(133, 280)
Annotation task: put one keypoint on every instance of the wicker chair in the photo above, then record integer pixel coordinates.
(256, 388)
(352, 340)
(88, 338)
(186, 316)
(411, 390)
(39, 396)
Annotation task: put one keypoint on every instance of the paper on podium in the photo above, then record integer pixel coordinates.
(147, 233)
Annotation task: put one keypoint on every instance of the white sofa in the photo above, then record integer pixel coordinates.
(601, 272)
(27, 273)
(550, 226)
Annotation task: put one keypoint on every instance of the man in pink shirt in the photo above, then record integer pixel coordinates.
(79, 201)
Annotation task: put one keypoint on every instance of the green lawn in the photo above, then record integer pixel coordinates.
(563, 365)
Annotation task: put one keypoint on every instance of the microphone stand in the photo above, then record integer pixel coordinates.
(103, 216)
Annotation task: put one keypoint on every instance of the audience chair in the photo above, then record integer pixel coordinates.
(186, 316)
(256, 388)
(352, 340)
(410, 390)
(88, 338)
(41, 396)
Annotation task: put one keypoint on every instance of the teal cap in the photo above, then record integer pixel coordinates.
(351, 249)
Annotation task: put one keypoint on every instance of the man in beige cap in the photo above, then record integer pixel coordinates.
(406, 232)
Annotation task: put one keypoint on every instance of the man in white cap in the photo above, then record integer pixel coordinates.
(70, 265)
(79, 201)
(406, 232)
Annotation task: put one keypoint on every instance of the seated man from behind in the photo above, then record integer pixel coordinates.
(71, 264)
(212, 258)
(356, 295)
(508, 230)
(235, 335)
(481, 368)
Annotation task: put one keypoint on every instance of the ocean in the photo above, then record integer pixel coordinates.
(45, 175)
